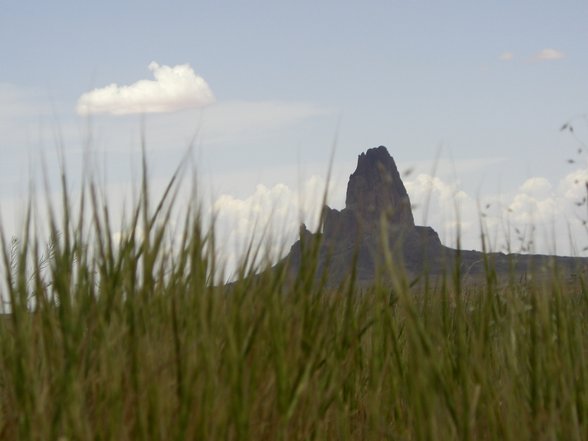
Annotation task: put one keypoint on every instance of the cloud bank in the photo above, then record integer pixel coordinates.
(537, 217)
(174, 88)
(269, 219)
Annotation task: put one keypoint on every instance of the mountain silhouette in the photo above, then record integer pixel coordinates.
(375, 235)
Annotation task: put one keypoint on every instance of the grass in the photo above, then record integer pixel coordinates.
(131, 340)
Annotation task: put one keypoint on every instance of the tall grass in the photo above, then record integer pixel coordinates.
(131, 340)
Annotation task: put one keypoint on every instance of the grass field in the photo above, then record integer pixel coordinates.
(131, 340)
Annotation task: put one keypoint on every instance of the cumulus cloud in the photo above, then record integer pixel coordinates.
(269, 219)
(506, 56)
(535, 217)
(174, 88)
(444, 206)
(574, 187)
(548, 54)
(536, 186)
(527, 209)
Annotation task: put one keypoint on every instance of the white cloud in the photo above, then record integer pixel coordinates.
(574, 186)
(268, 218)
(442, 205)
(174, 88)
(548, 54)
(536, 186)
(535, 202)
(506, 56)
(528, 209)
(537, 217)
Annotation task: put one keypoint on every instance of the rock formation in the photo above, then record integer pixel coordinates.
(375, 234)
(375, 188)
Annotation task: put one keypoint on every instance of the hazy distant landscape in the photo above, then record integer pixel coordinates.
(294, 221)
(131, 339)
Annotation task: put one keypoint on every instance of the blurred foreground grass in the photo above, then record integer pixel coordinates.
(130, 340)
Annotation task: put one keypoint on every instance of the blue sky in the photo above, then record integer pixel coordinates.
(485, 84)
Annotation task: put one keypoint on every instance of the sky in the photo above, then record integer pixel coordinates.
(468, 97)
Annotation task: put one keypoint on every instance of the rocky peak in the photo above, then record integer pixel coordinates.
(351, 242)
(375, 188)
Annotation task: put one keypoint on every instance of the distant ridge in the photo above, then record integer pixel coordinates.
(377, 223)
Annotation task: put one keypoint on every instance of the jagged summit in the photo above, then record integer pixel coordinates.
(376, 188)
(377, 220)
(377, 223)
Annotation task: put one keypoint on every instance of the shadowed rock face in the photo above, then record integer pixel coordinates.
(375, 189)
(377, 227)
(376, 198)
